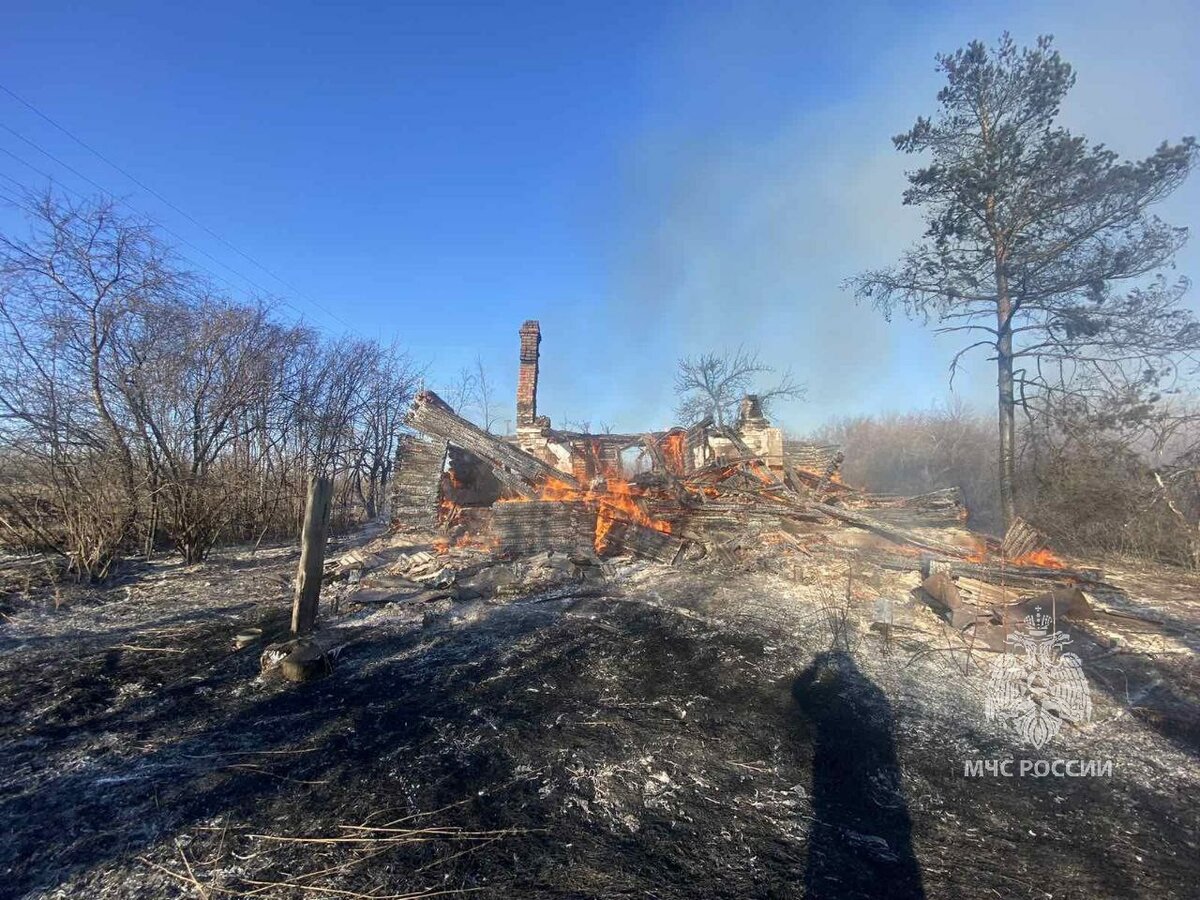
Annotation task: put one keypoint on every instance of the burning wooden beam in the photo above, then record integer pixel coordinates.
(1021, 540)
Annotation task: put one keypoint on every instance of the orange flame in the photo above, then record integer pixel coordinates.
(674, 446)
(1043, 558)
(617, 501)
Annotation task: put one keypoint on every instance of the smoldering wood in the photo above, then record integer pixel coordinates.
(312, 555)
(938, 509)
(654, 449)
(831, 469)
(519, 471)
(717, 498)
(812, 482)
(645, 542)
(1002, 574)
(748, 456)
(696, 438)
(525, 527)
(1021, 539)
(813, 458)
(1009, 576)
(792, 479)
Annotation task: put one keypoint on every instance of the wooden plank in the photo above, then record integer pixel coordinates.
(1021, 539)
(678, 491)
(642, 541)
(417, 480)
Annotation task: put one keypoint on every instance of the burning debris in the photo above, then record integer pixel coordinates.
(684, 493)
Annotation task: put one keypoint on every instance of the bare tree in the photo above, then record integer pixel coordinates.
(390, 389)
(139, 404)
(711, 384)
(67, 292)
(484, 396)
(190, 377)
(460, 393)
(472, 395)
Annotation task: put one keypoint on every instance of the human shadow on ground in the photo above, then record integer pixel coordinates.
(860, 839)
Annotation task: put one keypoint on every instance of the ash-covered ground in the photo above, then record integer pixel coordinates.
(704, 730)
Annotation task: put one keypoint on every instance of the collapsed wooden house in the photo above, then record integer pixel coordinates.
(659, 495)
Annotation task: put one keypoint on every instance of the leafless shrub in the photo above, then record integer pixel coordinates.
(139, 406)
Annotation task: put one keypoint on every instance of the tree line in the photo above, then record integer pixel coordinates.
(140, 407)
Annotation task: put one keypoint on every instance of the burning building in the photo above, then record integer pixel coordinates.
(651, 494)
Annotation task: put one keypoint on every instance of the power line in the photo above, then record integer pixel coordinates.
(178, 237)
(25, 205)
(164, 200)
(254, 284)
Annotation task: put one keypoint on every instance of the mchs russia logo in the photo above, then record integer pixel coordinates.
(1035, 687)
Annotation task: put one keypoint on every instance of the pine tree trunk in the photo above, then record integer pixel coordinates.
(1007, 403)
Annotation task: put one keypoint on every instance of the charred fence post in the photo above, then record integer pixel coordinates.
(312, 555)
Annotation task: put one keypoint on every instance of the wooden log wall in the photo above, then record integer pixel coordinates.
(524, 527)
(417, 479)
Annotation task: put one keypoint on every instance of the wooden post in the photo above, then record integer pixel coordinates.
(312, 555)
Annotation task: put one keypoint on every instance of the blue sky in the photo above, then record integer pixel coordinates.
(648, 179)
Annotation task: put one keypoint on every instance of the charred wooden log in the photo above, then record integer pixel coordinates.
(517, 470)
(1008, 576)
(654, 449)
(696, 438)
(813, 458)
(938, 509)
(1021, 539)
(529, 527)
(831, 471)
(642, 541)
(891, 532)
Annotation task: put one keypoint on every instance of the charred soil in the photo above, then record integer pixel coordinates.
(696, 731)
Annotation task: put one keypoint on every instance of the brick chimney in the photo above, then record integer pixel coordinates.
(527, 378)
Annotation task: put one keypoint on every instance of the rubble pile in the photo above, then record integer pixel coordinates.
(469, 500)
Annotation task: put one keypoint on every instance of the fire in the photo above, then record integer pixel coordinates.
(761, 472)
(674, 446)
(616, 502)
(1043, 558)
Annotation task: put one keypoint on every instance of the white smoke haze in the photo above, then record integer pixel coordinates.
(731, 235)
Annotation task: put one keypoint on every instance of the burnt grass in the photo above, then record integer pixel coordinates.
(664, 739)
